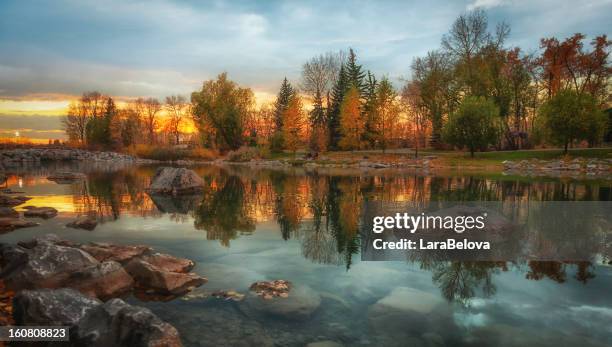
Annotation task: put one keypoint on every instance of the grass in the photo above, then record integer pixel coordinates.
(170, 153)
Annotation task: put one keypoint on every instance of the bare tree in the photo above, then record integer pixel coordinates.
(151, 109)
(89, 105)
(176, 108)
(320, 73)
(416, 111)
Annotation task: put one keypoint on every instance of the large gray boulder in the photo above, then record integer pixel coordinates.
(172, 180)
(51, 307)
(116, 323)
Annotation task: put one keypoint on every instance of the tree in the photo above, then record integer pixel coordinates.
(355, 76)
(417, 113)
(351, 123)
(282, 102)
(176, 109)
(371, 134)
(151, 109)
(333, 112)
(80, 112)
(222, 107)
(293, 121)
(99, 128)
(569, 116)
(387, 112)
(474, 125)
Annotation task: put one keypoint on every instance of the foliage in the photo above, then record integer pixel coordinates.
(474, 125)
(243, 154)
(293, 121)
(164, 153)
(333, 112)
(222, 107)
(387, 112)
(569, 116)
(282, 102)
(351, 123)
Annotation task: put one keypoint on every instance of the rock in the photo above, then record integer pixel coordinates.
(40, 212)
(45, 265)
(379, 166)
(270, 289)
(170, 180)
(8, 212)
(116, 323)
(84, 222)
(106, 251)
(6, 200)
(104, 281)
(149, 277)
(66, 177)
(300, 304)
(169, 263)
(51, 307)
(326, 343)
(228, 295)
(10, 224)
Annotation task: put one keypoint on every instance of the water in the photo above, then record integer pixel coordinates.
(252, 225)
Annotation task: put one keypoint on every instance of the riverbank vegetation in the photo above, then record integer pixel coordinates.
(475, 92)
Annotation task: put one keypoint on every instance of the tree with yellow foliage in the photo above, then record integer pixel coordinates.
(293, 122)
(352, 124)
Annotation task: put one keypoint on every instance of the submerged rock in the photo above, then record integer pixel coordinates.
(40, 212)
(158, 280)
(8, 212)
(51, 307)
(270, 289)
(84, 222)
(116, 323)
(10, 224)
(66, 177)
(300, 304)
(171, 180)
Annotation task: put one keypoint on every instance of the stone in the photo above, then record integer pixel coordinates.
(10, 224)
(171, 180)
(104, 281)
(116, 323)
(45, 265)
(149, 277)
(51, 307)
(6, 200)
(167, 262)
(8, 212)
(84, 222)
(299, 305)
(40, 212)
(270, 289)
(119, 253)
(66, 177)
(325, 343)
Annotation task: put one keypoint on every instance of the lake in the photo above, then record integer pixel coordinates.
(307, 227)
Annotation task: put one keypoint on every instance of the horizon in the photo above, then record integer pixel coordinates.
(52, 54)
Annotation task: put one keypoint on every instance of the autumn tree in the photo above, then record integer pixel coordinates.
(474, 125)
(152, 107)
(417, 113)
(80, 112)
(176, 109)
(293, 122)
(351, 123)
(387, 112)
(222, 107)
(570, 116)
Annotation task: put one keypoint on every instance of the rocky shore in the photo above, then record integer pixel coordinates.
(574, 167)
(15, 156)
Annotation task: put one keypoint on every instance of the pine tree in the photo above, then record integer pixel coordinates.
(333, 112)
(354, 74)
(317, 114)
(369, 110)
(281, 104)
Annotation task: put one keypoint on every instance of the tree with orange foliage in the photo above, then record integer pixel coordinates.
(293, 122)
(352, 126)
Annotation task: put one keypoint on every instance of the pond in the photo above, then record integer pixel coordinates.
(306, 227)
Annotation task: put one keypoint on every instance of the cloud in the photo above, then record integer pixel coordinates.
(484, 4)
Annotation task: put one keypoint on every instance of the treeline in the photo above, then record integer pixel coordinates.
(473, 92)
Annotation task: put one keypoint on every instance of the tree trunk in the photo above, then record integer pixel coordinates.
(565, 149)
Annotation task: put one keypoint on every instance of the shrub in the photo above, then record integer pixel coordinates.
(243, 154)
(277, 143)
(164, 153)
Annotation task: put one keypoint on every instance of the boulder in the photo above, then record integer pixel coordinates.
(119, 253)
(44, 265)
(51, 307)
(10, 224)
(299, 305)
(40, 212)
(158, 280)
(66, 177)
(116, 323)
(6, 200)
(84, 222)
(8, 212)
(171, 180)
(167, 262)
(104, 281)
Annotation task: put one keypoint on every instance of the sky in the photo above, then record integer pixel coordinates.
(53, 51)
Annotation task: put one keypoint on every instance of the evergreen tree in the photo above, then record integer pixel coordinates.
(354, 74)
(317, 114)
(98, 128)
(333, 112)
(281, 104)
(369, 110)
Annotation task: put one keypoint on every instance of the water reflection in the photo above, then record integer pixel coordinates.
(325, 213)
